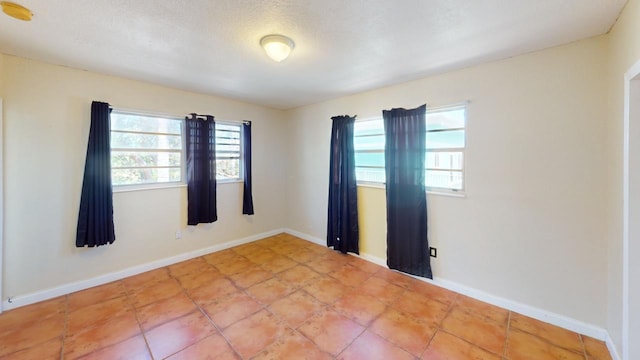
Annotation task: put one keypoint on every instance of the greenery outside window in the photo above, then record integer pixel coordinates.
(228, 151)
(146, 149)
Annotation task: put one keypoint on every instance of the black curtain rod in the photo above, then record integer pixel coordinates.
(203, 117)
(200, 116)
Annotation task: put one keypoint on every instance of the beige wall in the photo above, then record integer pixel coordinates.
(544, 135)
(531, 227)
(624, 51)
(47, 115)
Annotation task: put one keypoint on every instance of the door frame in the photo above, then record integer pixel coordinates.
(630, 260)
(2, 142)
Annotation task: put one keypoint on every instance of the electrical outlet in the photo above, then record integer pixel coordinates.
(433, 252)
(178, 234)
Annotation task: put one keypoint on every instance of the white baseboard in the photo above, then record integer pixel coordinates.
(307, 237)
(524, 309)
(611, 346)
(51, 293)
(536, 313)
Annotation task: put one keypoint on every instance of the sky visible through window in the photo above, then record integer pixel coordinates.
(445, 145)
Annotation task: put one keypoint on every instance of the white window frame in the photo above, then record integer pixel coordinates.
(430, 189)
(463, 150)
(240, 177)
(183, 158)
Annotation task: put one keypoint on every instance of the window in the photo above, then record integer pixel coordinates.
(148, 149)
(145, 149)
(445, 144)
(228, 152)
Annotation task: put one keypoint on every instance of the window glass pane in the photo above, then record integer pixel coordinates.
(369, 159)
(445, 139)
(161, 148)
(370, 174)
(226, 148)
(227, 127)
(446, 119)
(128, 122)
(368, 127)
(145, 176)
(375, 142)
(227, 168)
(444, 179)
(444, 160)
(228, 151)
(145, 141)
(137, 159)
(228, 136)
(444, 169)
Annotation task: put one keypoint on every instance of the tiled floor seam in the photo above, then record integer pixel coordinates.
(220, 330)
(142, 332)
(64, 330)
(506, 340)
(557, 345)
(584, 347)
(206, 315)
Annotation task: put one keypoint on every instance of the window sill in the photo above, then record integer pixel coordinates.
(230, 181)
(457, 194)
(130, 188)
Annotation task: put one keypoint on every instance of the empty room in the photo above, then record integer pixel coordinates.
(330, 179)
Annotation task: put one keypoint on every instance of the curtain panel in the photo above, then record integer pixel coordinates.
(95, 219)
(342, 219)
(407, 243)
(201, 169)
(247, 195)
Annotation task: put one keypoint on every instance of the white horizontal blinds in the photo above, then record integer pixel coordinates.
(145, 149)
(445, 148)
(368, 142)
(228, 152)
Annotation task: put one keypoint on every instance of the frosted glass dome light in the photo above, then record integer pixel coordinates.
(277, 47)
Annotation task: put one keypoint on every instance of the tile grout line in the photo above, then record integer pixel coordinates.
(242, 290)
(205, 314)
(135, 313)
(584, 348)
(549, 342)
(506, 340)
(64, 329)
(439, 324)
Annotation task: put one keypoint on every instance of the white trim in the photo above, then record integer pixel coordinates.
(118, 275)
(524, 309)
(307, 237)
(143, 187)
(611, 346)
(536, 313)
(2, 142)
(147, 113)
(633, 72)
(439, 192)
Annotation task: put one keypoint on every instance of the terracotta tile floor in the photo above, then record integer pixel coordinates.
(279, 298)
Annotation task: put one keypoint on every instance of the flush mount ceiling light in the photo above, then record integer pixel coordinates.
(277, 47)
(16, 11)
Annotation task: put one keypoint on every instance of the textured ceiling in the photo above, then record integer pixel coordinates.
(342, 46)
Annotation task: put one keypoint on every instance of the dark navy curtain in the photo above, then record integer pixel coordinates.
(201, 169)
(247, 195)
(342, 219)
(95, 219)
(407, 243)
